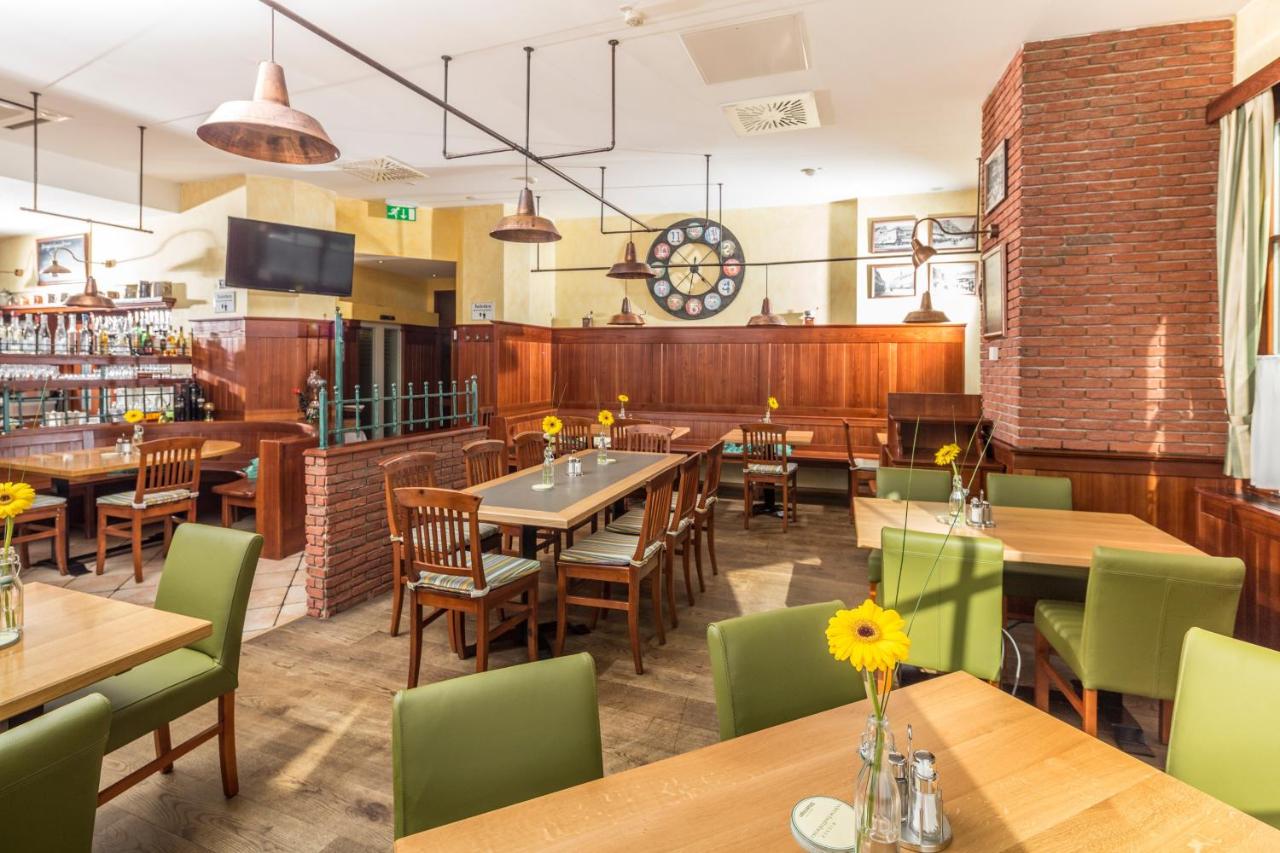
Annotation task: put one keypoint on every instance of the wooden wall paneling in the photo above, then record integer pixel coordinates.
(1247, 526)
(474, 355)
(250, 366)
(281, 497)
(524, 370)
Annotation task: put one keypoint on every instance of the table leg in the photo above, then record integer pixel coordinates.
(528, 542)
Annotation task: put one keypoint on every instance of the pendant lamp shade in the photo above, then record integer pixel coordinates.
(90, 299)
(627, 316)
(54, 268)
(267, 128)
(920, 253)
(766, 317)
(926, 313)
(525, 225)
(629, 267)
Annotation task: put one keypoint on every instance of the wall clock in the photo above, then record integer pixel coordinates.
(699, 266)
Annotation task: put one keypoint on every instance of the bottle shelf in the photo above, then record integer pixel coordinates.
(27, 358)
(91, 384)
(123, 306)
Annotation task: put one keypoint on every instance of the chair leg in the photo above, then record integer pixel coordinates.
(459, 627)
(415, 642)
(482, 638)
(696, 543)
(747, 495)
(60, 540)
(397, 595)
(24, 553)
(1166, 719)
(669, 578)
(1090, 712)
(562, 609)
(655, 579)
(786, 504)
(227, 743)
(633, 622)
(1042, 678)
(688, 581)
(853, 492)
(135, 530)
(168, 535)
(164, 743)
(102, 542)
(227, 516)
(531, 599)
(711, 539)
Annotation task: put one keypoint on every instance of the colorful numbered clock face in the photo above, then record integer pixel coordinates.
(699, 266)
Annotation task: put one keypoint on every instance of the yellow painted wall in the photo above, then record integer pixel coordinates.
(1257, 36)
(375, 293)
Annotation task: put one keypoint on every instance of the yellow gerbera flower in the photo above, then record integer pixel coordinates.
(605, 417)
(551, 425)
(773, 402)
(623, 398)
(869, 637)
(133, 416)
(15, 499)
(946, 454)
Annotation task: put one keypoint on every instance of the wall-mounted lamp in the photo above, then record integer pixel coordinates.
(921, 253)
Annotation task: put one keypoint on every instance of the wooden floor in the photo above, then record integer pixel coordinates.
(314, 705)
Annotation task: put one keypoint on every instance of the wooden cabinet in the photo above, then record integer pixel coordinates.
(1247, 526)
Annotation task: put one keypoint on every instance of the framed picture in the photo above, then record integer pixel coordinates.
(889, 280)
(947, 237)
(959, 277)
(890, 234)
(993, 295)
(62, 260)
(994, 178)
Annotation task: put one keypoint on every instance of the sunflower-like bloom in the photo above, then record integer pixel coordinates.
(551, 425)
(869, 637)
(605, 418)
(133, 416)
(623, 398)
(773, 402)
(946, 454)
(15, 499)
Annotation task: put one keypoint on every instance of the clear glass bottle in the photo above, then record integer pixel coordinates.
(959, 496)
(548, 466)
(10, 599)
(59, 337)
(877, 802)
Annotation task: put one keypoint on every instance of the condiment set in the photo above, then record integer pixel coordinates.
(978, 513)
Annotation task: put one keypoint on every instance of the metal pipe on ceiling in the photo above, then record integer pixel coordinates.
(881, 257)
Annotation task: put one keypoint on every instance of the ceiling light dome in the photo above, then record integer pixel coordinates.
(267, 128)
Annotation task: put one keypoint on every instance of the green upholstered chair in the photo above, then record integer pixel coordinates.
(899, 484)
(1036, 580)
(957, 582)
(1224, 738)
(480, 742)
(769, 668)
(1127, 636)
(49, 770)
(207, 574)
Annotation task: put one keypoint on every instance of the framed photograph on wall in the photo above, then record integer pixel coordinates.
(885, 281)
(960, 277)
(62, 260)
(949, 236)
(890, 234)
(995, 176)
(993, 295)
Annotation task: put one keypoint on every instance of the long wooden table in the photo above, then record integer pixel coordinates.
(795, 437)
(96, 461)
(1012, 778)
(72, 639)
(1053, 536)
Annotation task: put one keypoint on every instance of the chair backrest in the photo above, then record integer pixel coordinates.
(577, 434)
(208, 574)
(1029, 491)
(1224, 740)
(764, 444)
(1138, 607)
(848, 439)
(457, 748)
(166, 464)
(687, 493)
(770, 668)
(440, 533)
(711, 484)
(49, 772)
(407, 469)
(958, 582)
(485, 460)
(657, 510)
(530, 447)
(918, 484)
(647, 438)
(617, 432)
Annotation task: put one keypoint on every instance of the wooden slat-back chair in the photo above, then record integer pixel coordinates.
(441, 542)
(861, 470)
(529, 447)
(484, 460)
(765, 463)
(577, 434)
(405, 470)
(648, 438)
(47, 519)
(166, 488)
(680, 532)
(705, 514)
(617, 432)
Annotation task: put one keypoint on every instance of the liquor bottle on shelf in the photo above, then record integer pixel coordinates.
(60, 337)
(87, 338)
(28, 336)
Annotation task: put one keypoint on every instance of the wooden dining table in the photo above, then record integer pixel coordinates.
(795, 437)
(1012, 778)
(71, 465)
(1057, 537)
(72, 639)
(677, 432)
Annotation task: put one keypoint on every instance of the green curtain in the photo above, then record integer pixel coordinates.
(1245, 169)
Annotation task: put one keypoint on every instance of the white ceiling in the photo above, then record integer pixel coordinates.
(899, 84)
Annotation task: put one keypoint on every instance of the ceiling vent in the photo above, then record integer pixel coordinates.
(773, 115)
(382, 170)
(751, 49)
(16, 118)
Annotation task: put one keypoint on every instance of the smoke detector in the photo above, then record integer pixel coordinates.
(382, 170)
(631, 16)
(773, 115)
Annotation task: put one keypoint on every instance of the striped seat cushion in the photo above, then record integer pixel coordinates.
(771, 469)
(48, 501)
(486, 530)
(607, 548)
(631, 522)
(152, 499)
(499, 570)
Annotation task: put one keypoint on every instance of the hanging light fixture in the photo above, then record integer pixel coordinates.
(89, 299)
(920, 254)
(267, 128)
(766, 317)
(525, 225)
(627, 316)
(55, 268)
(629, 267)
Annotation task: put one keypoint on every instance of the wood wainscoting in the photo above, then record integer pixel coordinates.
(1247, 526)
(250, 366)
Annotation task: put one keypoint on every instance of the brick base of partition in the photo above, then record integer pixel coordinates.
(348, 555)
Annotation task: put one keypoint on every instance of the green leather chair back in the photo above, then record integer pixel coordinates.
(958, 582)
(480, 742)
(769, 668)
(208, 574)
(1224, 740)
(49, 771)
(1029, 491)
(1140, 605)
(919, 484)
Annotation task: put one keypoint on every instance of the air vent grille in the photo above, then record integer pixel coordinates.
(773, 115)
(382, 170)
(13, 118)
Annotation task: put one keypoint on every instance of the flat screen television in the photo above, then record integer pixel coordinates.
(269, 256)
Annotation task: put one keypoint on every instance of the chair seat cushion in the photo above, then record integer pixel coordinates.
(499, 570)
(1037, 580)
(150, 500)
(156, 692)
(1062, 624)
(607, 548)
(631, 522)
(47, 502)
(865, 464)
(762, 468)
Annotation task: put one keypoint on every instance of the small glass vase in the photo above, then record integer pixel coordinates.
(10, 599)
(602, 450)
(622, 410)
(768, 416)
(959, 497)
(548, 467)
(138, 435)
(877, 802)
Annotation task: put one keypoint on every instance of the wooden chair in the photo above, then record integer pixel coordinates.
(617, 432)
(486, 460)
(47, 519)
(441, 543)
(529, 447)
(167, 487)
(765, 463)
(616, 558)
(577, 434)
(862, 471)
(406, 470)
(705, 513)
(238, 494)
(647, 438)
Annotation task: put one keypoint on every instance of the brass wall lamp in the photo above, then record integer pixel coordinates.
(921, 253)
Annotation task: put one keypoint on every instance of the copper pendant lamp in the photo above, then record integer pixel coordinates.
(267, 128)
(627, 316)
(55, 268)
(926, 313)
(525, 225)
(90, 299)
(629, 267)
(766, 317)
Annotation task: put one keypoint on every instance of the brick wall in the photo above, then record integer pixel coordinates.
(1112, 340)
(348, 554)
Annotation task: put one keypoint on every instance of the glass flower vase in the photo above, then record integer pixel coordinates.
(548, 467)
(959, 496)
(877, 802)
(768, 416)
(602, 450)
(10, 599)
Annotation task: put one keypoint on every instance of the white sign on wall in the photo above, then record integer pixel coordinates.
(482, 311)
(224, 301)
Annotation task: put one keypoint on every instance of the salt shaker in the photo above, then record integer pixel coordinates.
(926, 828)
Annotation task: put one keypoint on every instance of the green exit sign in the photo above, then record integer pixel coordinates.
(402, 212)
